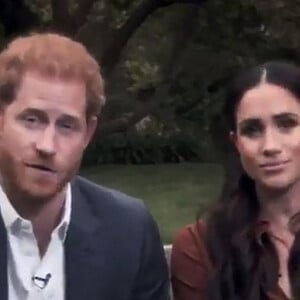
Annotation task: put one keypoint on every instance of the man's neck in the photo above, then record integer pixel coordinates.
(45, 221)
(44, 216)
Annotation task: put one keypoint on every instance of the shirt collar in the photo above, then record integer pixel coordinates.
(264, 226)
(8, 213)
(11, 218)
(62, 227)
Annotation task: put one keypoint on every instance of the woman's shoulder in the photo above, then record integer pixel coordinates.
(190, 262)
(195, 232)
(191, 240)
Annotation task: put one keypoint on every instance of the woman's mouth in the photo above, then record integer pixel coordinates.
(273, 166)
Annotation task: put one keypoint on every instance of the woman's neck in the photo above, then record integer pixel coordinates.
(279, 207)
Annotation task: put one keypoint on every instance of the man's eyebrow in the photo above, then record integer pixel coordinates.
(33, 111)
(68, 117)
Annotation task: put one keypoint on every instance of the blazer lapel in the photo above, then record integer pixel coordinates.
(3, 262)
(80, 250)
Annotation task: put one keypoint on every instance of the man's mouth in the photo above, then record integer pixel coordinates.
(41, 167)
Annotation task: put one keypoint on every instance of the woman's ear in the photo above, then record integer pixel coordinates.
(232, 137)
(234, 140)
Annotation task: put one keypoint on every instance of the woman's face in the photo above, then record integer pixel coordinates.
(268, 135)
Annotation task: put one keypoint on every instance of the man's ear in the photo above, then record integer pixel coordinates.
(2, 110)
(92, 123)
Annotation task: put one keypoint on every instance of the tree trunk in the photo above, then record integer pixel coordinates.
(180, 40)
(113, 51)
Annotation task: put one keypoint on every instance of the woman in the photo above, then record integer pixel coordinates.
(243, 249)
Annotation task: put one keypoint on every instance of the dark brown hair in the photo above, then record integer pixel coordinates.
(245, 266)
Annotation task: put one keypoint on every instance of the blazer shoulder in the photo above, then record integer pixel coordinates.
(106, 198)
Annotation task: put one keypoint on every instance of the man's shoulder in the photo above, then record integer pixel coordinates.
(105, 198)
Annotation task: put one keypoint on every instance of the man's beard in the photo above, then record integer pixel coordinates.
(11, 181)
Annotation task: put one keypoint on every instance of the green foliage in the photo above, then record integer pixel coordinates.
(193, 69)
(1, 35)
(228, 36)
(148, 148)
(119, 10)
(42, 8)
(281, 21)
(142, 75)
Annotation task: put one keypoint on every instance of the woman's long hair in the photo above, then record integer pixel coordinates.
(246, 265)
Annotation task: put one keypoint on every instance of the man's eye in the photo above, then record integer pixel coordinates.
(66, 126)
(31, 119)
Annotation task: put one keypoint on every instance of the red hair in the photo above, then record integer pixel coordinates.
(51, 55)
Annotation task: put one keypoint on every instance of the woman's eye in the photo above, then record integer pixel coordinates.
(287, 123)
(251, 130)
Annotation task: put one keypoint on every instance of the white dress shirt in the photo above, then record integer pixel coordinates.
(26, 270)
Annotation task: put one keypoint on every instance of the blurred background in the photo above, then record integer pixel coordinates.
(166, 64)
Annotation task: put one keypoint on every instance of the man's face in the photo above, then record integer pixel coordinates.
(43, 134)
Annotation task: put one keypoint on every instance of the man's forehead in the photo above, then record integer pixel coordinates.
(40, 80)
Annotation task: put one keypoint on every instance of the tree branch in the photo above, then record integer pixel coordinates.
(123, 123)
(80, 15)
(16, 17)
(60, 15)
(164, 3)
(154, 99)
(113, 52)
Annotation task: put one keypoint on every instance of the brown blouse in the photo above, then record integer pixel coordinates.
(191, 265)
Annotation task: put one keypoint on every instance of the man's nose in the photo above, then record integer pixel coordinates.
(45, 143)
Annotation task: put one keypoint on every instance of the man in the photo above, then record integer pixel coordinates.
(63, 237)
